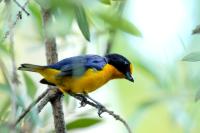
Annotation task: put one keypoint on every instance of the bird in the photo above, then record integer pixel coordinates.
(83, 74)
(80, 75)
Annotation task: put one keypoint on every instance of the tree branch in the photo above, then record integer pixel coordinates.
(22, 8)
(52, 94)
(28, 109)
(51, 55)
(14, 77)
(44, 98)
(110, 42)
(103, 109)
(19, 16)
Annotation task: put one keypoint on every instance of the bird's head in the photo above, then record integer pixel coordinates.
(121, 64)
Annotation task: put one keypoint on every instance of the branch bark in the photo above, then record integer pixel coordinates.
(51, 56)
(28, 109)
(103, 109)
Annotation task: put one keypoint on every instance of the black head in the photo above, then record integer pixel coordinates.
(122, 64)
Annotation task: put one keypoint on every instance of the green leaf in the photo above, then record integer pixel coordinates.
(4, 128)
(82, 123)
(4, 49)
(4, 70)
(30, 85)
(5, 87)
(118, 22)
(192, 57)
(197, 97)
(148, 104)
(82, 21)
(45, 4)
(4, 107)
(36, 12)
(62, 24)
(108, 2)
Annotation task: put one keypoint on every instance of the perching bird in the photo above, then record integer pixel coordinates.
(83, 74)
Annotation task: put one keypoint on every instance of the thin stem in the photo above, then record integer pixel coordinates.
(52, 57)
(18, 17)
(103, 109)
(22, 8)
(28, 109)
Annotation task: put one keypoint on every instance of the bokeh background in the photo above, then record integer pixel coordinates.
(155, 35)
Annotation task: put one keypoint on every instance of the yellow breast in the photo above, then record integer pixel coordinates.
(90, 81)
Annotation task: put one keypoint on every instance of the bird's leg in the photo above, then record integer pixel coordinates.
(99, 106)
(81, 97)
(84, 100)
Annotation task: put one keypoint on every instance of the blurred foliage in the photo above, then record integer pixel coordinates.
(195, 56)
(30, 85)
(106, 1)
(118, 22)
(197, 97)
(36, 12)
(82, 21)
(162, 95)
(82, 123)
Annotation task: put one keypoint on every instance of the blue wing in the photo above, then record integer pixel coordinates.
(78, 65)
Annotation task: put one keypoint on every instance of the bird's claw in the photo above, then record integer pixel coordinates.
(83, 101)
(101, 109)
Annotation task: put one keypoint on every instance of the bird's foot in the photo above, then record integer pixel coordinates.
(83, 101)
(101, 109)
(81, 97)
(98, 105)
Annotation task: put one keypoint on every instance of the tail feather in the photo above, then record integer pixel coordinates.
(30, 67)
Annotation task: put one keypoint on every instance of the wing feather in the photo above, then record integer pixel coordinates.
(77, 66)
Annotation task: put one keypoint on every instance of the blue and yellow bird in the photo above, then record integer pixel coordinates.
(83, 74)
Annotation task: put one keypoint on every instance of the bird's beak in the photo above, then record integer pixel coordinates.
(129, 77)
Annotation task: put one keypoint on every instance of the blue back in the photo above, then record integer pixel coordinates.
(77, 65)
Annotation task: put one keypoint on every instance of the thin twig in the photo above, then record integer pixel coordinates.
(44, 98)
(7, 33)
(28, 109)
(19, 16)
(13, 82)
(53, 93)
(112, 35)
(43, 103)
(113, 32)
(22, 8)
(103, 109)
(52, 57)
